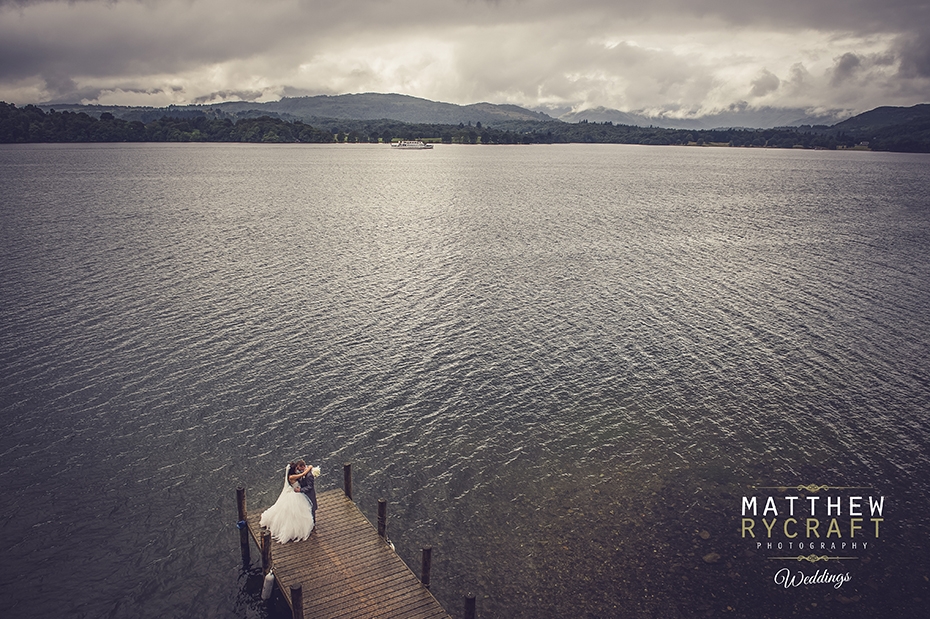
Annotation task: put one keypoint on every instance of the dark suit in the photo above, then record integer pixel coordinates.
(306, 487)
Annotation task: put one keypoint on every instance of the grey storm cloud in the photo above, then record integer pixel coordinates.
(764, 84)
(846, 67)
(914, 52)
(661, 55)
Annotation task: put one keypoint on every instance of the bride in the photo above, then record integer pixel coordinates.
(290, 517)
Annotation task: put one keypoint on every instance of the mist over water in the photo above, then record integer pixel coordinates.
(560, 365)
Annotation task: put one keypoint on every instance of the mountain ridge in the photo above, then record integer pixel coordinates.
(363, 106)
(409, 109)
(885, 128)
(886, 116)
(738, 117)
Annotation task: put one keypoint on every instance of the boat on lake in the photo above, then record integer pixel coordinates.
(411, 145)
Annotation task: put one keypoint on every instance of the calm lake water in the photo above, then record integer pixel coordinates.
(563, 367)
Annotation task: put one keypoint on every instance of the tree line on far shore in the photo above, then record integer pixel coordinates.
(31, 124)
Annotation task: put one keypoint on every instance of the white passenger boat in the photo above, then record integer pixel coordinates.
(411, 145)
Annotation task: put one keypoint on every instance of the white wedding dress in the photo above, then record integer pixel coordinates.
(290, 517)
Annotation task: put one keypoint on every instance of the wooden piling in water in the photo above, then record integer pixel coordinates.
(347, 479)
(426, 564)
(470, 610)
(266, 551)
(240, 502)
(297, 602)
(243, 529)
(382, 519)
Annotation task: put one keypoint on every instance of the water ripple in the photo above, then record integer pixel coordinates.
(490, 335)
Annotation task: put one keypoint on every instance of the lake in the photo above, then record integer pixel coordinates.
(567, 368)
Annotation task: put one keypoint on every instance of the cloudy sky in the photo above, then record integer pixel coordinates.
(681, 57)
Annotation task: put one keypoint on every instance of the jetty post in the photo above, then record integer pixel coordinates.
(470, 611)
(241, 523)
(426, 565)
(297, 601)
(266, 551)
(382, 519)
(347, 479)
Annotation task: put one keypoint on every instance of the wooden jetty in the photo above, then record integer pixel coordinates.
(346, 569)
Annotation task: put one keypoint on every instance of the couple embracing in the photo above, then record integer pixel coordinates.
(293, 515)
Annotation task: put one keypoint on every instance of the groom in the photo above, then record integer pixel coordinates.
(306, 485)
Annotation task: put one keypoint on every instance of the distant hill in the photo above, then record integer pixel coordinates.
(373, 106)
(761, 118)
(403, 108)
(901, 129)
(372, 117)
(885, 117)
(368, 106)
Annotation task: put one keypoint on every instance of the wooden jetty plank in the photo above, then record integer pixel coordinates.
(389, 583)
(329, 607)
(374, 571)
(406, 607)
(346, 570)
(365, 580)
